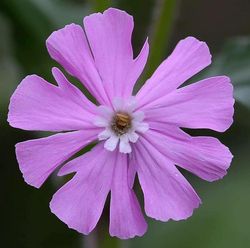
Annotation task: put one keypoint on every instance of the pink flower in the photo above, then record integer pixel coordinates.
(138, 134)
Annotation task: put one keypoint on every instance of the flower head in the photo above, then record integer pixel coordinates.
(136, 135)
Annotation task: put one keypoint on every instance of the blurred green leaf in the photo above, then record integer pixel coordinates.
(9, 68)
(101, 5)
(27, 16)
(60, 13)
(234, 61)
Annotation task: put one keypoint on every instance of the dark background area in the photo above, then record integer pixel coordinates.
(223, 218)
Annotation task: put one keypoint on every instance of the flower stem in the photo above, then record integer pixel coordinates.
(160, 31)
(90, 241)
(124, 244)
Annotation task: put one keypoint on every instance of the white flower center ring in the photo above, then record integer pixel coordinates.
(122, 124)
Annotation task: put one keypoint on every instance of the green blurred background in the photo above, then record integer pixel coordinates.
(223, 218)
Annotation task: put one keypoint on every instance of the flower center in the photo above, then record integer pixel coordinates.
(121, 123)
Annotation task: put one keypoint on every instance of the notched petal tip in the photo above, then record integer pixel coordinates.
(114, 11)
(130, 236)
(203, 44)
(182, 217)
(25, 174)
(229, 158)
(117, 13)
(61, 31)
(229, 96)
(12, 110)
(53, 211)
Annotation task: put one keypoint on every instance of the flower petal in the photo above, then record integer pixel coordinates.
(111, 143)
(80, 202)
(126, 219)
(107, 133)
(138, 116)
(105, 112)
(141, 127)
(133, 137)
(167, 194)
(206, 104)
(39, 105)
(109, 35)
(131, 174)
(206, 157)
(69, 47)
(101, 122)
(40, 157)
(188, 58)
(124, 146)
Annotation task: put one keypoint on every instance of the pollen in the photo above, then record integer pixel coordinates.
(121, 123)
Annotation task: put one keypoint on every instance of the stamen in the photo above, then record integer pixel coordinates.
(121, 123)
